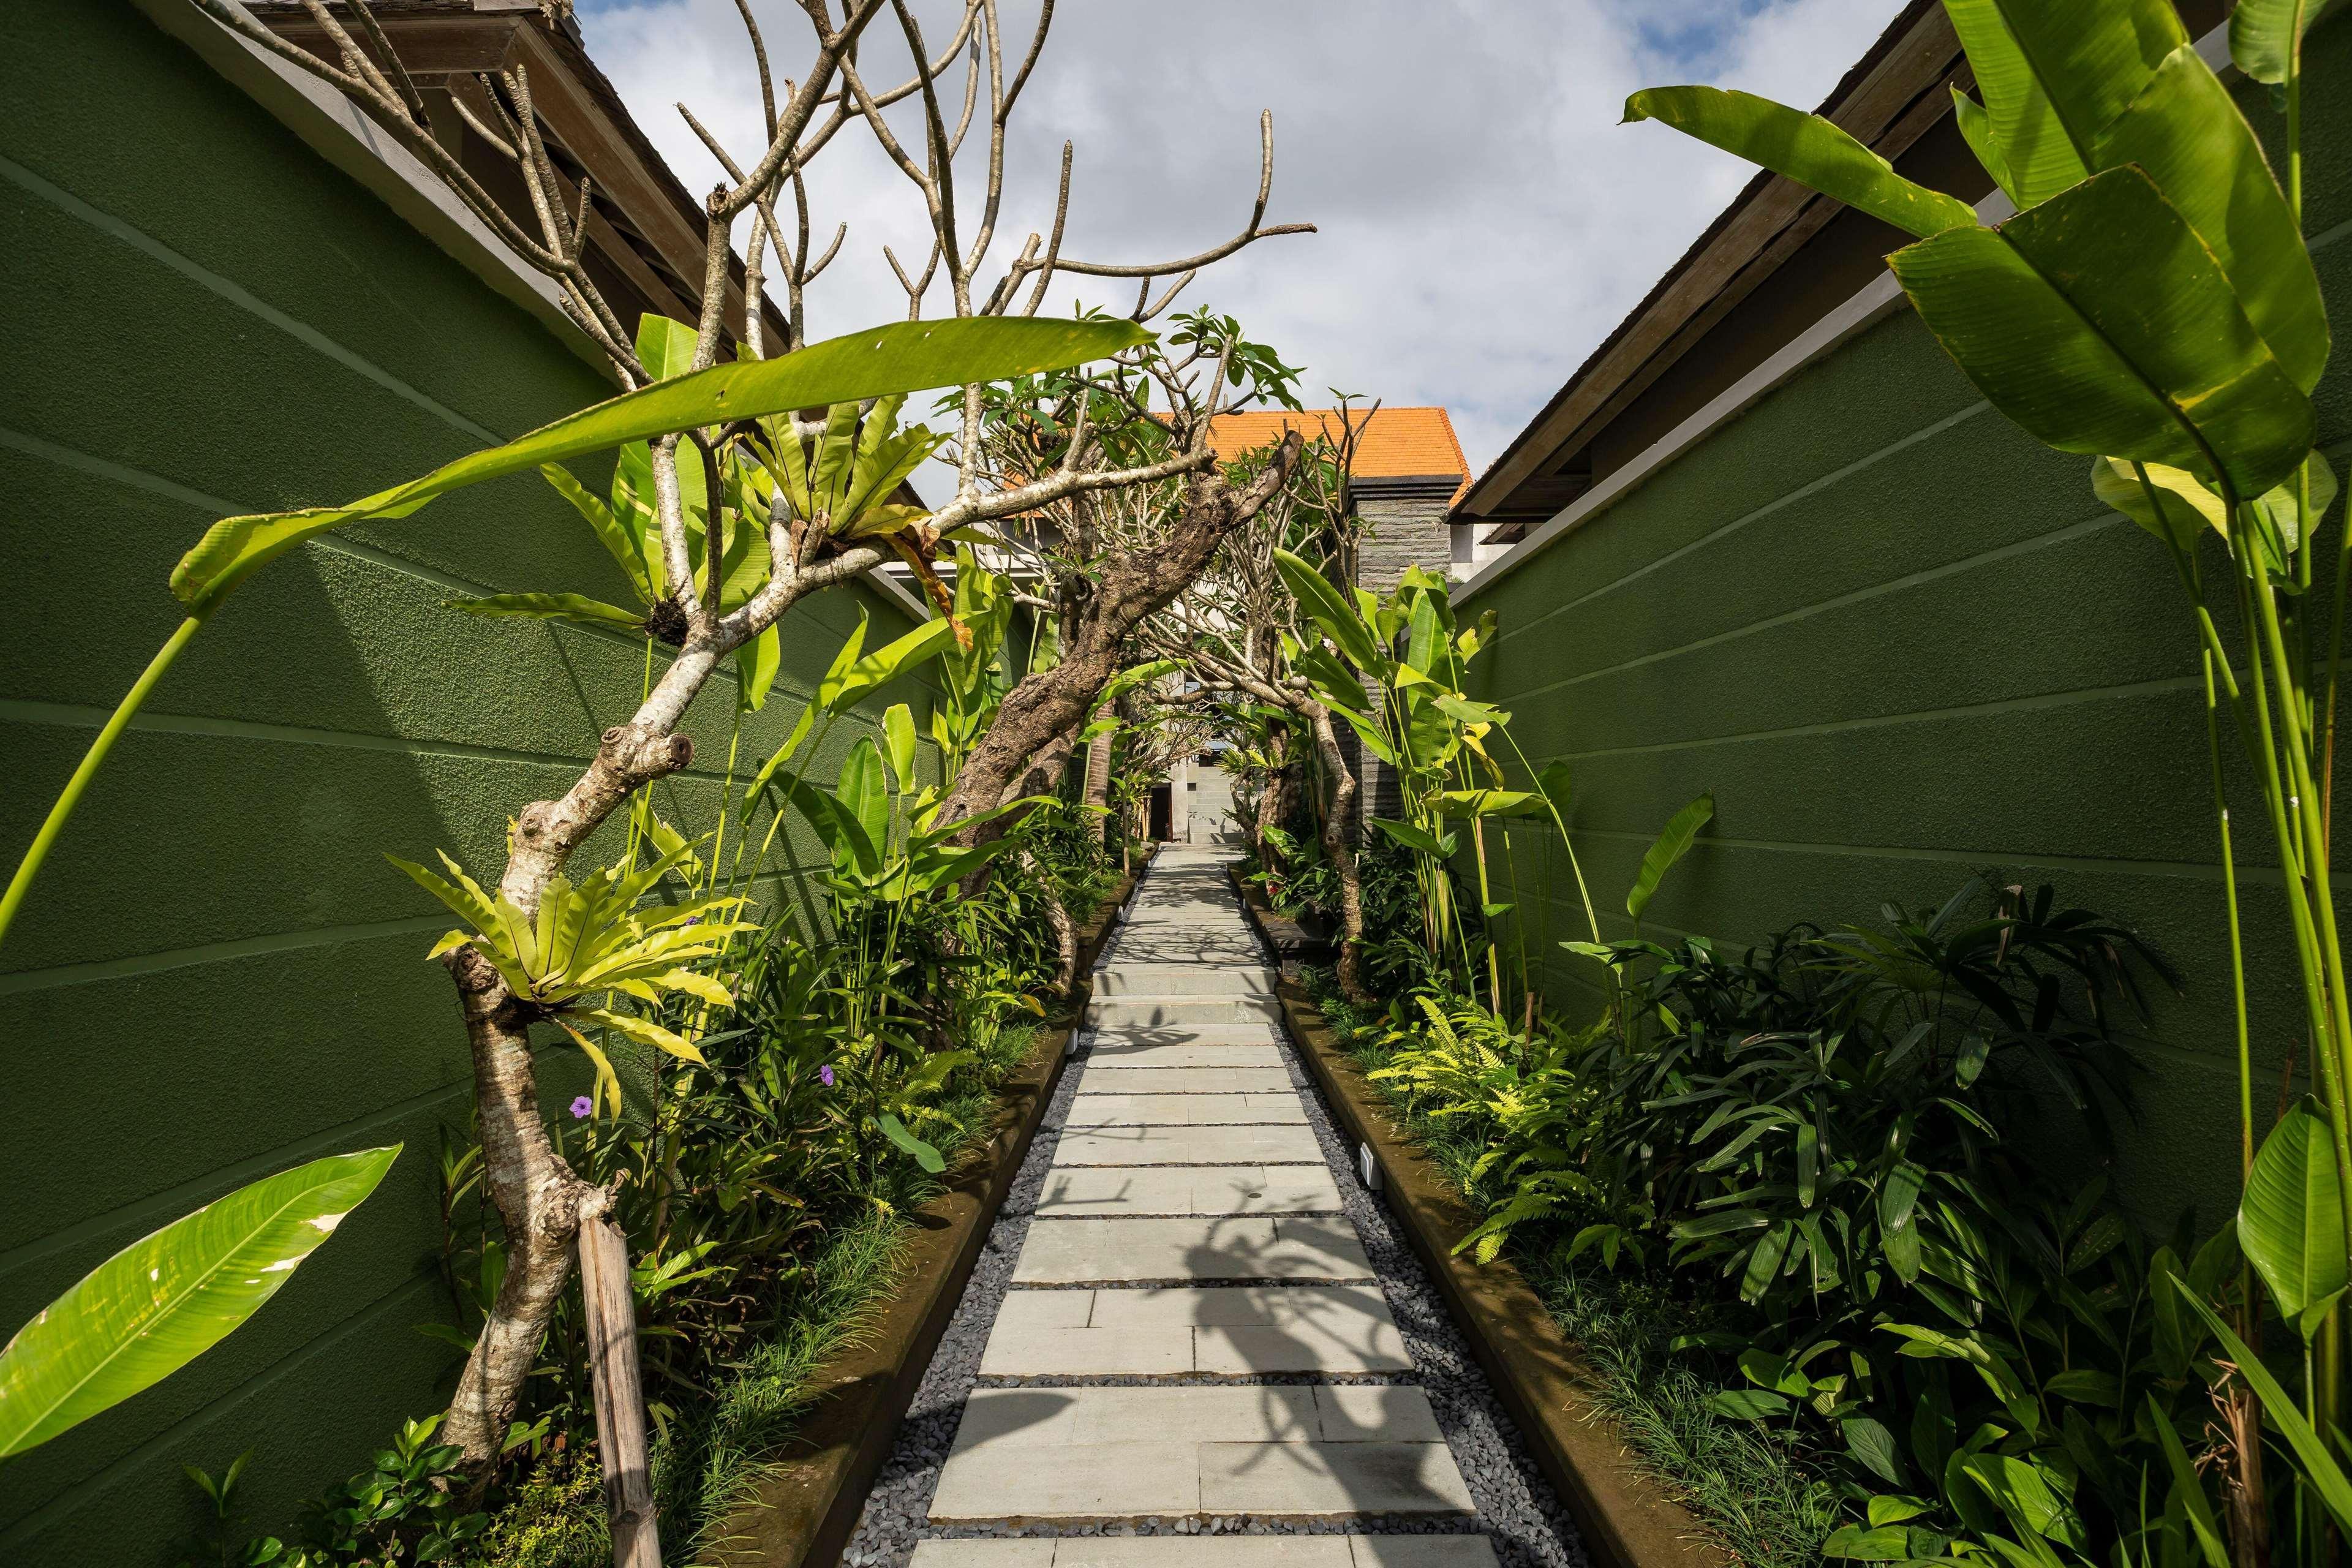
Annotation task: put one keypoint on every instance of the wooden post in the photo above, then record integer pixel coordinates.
(611, 1322)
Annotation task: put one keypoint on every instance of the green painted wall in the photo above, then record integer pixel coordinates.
(1901, 642)
(218, 975)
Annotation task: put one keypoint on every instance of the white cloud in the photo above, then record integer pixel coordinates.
(1483, 220)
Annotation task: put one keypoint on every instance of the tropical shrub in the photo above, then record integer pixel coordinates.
(2153, 304)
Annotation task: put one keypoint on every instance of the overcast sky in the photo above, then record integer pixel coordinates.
(1483, 220)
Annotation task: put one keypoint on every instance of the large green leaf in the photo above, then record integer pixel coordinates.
(575, 607)
(1331, 677)
(2036, 160)
(757, 663)
(1807, 149)
(849, 680)
(2291, 1217)
(163, 1301)
(2188, 507)
(898, 734)
(1672, 845)
(2093, 56)
(2101, 324)
(665, 346)
(2266, 35)
(863, 796)
(2185, 132)
(626, 544)
(908, 356)
(1329, 611)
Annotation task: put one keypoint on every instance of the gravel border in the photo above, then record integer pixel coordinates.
(1516, 1508)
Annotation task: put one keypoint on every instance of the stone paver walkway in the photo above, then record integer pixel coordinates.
(1188, 1250)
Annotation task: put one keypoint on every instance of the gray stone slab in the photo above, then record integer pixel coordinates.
(1124, 976)
(1116, 1110)
(1013, 1351)
(1149, 1190)
(1137, 1036)
(1188, 1145)
(1325, 1480)
(1121, 1054)
(1126, 1012)
(1415, 1551)
(1232, 1306)
(1205, 1550)
(1201, 1413)
(1131, 1076)
(1236, 1330)
(1121, 1481)
(983, 1553)
(1086, 1251)
(1374, 1413)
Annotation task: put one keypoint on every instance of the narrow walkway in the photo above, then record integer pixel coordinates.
(1193, 1361)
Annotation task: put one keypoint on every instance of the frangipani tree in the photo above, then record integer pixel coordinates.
(734, 510)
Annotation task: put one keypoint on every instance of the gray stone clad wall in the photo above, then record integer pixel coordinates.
(1404, 525)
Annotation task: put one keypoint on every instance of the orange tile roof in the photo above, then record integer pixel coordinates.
(1394, 442)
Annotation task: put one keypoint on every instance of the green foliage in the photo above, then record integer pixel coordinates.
(590, 939)
(403, 1509)
(168, 1298)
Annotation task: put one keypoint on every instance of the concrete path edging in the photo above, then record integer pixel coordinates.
(1624, 1513)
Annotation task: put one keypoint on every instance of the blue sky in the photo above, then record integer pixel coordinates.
(1484, 219)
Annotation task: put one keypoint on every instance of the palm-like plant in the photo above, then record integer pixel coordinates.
(590, 939)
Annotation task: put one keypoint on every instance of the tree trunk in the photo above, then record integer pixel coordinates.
(539, 1198)
(1097, 792)
(536, 1195)
(1272, 801)
(1338, 825)
(612, 1325)
(1135, 583)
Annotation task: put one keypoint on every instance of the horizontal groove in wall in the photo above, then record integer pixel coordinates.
(2198, 870)
(1909, 579)
(2035, 703)
(215, 507)
(261, 947)
(106, 223)
(1803, 492)
(213, 952)
(158, 1208)
(365, 1317)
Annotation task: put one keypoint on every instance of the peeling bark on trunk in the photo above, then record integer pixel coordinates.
(1097, 794)
(1135, 583)
(1337, 824)
(540, 1200)
(537, 1197)
(1273, 800)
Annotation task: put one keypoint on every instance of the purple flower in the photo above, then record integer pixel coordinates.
(825, 1075)
(583, 1107)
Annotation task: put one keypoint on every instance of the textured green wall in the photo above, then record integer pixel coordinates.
(1902, 643)
(218, 976)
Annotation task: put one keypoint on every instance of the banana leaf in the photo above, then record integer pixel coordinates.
(2291, 1219)
(1807, 149)
(164, 1300)
(2100, 324)
(1330, 611)
(1672, 844)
